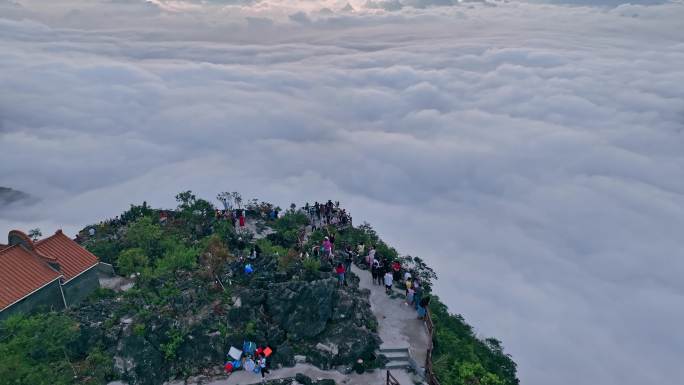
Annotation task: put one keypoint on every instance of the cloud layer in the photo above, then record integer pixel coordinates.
(531, 152)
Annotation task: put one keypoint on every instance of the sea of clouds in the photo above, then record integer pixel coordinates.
(532, 152)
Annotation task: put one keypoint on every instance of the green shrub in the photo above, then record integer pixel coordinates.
(287, 260)
(102, 293)
(105, 249)
(269, 249)
(311, 265)
(146, 235)
(176, 257)
(131, 261)
(33, 350)
(250, 329)
(139, 330)
(99, 367)
(175, 339)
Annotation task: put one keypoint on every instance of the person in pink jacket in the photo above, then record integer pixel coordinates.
(327, 247)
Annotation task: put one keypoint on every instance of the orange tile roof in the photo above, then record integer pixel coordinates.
(72, 258)
(21, 273)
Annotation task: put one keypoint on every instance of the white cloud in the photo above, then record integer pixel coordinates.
(531, 152)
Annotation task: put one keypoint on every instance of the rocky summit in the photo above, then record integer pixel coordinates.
(197, 290)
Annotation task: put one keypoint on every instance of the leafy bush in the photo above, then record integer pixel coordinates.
(268, 248)
(287, 260)
(99, 368)
(102, 293)
(177, 257)
(139, 330)
(33, 350)
(170, 347)
(311, 265)
(287, 229)
(290, 221)
(366, 234)
(131, 261)
(146, 235)
(107, 250)
(215, 255)
(250, 329)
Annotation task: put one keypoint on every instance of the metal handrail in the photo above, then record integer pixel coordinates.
(429, 371)
(391, 380)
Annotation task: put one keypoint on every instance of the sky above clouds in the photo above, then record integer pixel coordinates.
(530, 151)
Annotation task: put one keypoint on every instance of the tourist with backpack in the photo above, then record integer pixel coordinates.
(381, 269)
(375, 270)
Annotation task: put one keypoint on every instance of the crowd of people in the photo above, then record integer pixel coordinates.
(328, 213)
(237, 217)
(384, 272)
(390, 274)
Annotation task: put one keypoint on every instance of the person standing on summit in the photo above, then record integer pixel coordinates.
(375, 270)
(340, 270)
(381, 269)
(371, 255)
(262, 366)
(348, 260)
(388, 282)
(327, 247)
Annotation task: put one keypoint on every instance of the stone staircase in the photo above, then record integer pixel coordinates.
(399, 358)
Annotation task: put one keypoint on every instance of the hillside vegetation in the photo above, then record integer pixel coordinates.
(192, 300)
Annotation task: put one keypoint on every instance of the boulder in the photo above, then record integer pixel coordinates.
(300, 308)
(283, 355)
(302, 379)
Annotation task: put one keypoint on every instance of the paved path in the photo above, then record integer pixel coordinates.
(398, 323)
(378, 377)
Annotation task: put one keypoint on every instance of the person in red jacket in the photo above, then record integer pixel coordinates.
(340, 270)
(396, 270)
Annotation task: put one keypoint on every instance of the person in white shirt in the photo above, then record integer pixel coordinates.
(371, 256)
(262, 365)
(388, 282)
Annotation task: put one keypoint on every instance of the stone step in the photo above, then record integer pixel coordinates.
(397, 365)
(397, 356)
(394, 350)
